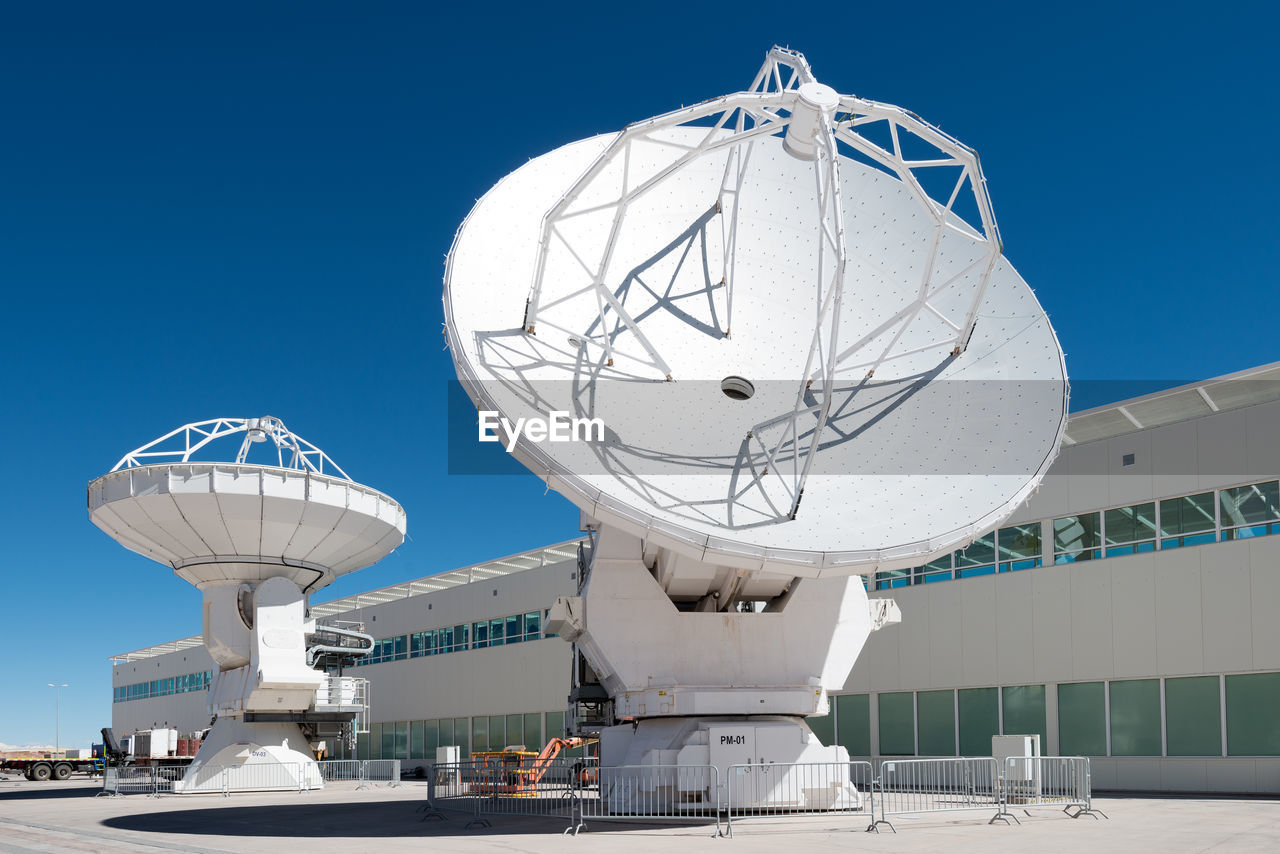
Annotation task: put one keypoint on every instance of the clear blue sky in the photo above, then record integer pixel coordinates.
(226, 209)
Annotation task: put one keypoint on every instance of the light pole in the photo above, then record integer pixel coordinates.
(57, 714)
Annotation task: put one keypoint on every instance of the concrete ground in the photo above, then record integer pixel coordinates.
(58, 817)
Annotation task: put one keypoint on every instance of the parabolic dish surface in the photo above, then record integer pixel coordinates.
(198, 517)
(931, 451)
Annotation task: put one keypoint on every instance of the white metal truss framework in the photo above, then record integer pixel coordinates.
(292, 451)
(730, 125)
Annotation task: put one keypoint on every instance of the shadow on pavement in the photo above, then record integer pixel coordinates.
(365, 819)
(43, 792)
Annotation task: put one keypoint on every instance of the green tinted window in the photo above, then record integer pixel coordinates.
(1135, 718)
(897, 724)
(1131, 524)
(1024, 713)
(497, 732)
(479, 734)
(1077, 538)
(430, 738)
(979, 720)
(1082, 719)
(1253, 714)
(936, 723)
(853, 723)
(362, 745)
(938, 570)
(1019, 542)
(824, 727)
(460, 736)
(555, 725)
(417, 747)
(445, 727)
(1187, 521)
(533, 731)
(1193, 716)
(978, 558)
(402, 740)
(515, 731)
(1250, 511)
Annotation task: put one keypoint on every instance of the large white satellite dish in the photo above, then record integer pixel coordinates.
(256, 539)
(791, 311)
(909, 391)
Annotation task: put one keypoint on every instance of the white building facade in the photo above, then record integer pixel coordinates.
(1129, 612)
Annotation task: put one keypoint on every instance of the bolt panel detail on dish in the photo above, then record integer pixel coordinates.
(257, 540)
(790, 313)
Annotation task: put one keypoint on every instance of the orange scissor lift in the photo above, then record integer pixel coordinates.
(516, 772)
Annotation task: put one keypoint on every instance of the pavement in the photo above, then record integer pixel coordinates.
(67, 817)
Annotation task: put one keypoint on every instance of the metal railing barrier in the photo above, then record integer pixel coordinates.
(340, 770)
(379, 771)
(940, 785)
(110, 783)
(663, 792)
(799, 789)
(507, 785)
(1049, 781)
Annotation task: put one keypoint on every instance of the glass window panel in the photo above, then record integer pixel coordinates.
(936, 711)
(388, 741)
(533, 731)
(402, 740)
(1254, 505)
(362, 745)
(515, 628)
(1082, 719)
(555, 725)
(515, 731)
(496, 631)
(497, 732)
(533, 625)
(1253, 726)
(402, 647)
(1077, 536)
(479, 734)
(375, 741)
(979, 720)
(823, 727)
(937, 570)
(417, 748)
(418, 644)
(445, 729)
(980, 552)
(1130, 524)
(853, 723)
(1019, 542)
(480, 634)
(460, 736)
(430, 739)
(1135, 717)
(461, 639)
(1186, 515)
(1024, 712)
(1193, 716)
(897, 724)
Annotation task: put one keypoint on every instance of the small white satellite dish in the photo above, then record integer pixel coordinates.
(256, 539)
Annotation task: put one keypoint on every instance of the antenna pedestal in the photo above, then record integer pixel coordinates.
(689, 670)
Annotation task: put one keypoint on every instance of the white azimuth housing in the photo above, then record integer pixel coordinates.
(879, 326)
